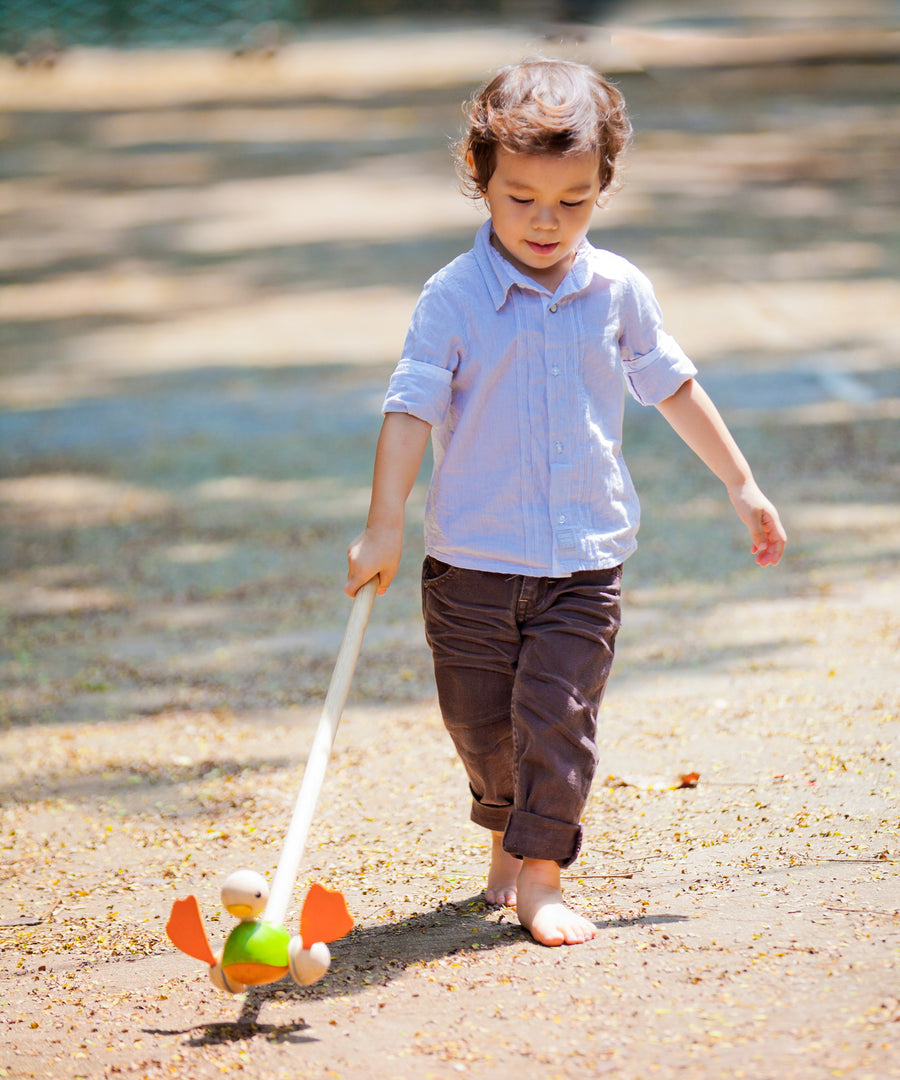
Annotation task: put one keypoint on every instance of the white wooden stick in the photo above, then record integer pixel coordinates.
(317, 762)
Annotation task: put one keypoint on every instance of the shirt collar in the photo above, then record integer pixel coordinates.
(500, 275)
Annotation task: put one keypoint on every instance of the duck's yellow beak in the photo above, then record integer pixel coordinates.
(240, 911)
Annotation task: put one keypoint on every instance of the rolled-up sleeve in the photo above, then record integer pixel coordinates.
(421, 382)
(656, 375)
(420, 389)
(654, 363)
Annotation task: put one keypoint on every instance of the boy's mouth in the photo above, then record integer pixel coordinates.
(542, 249)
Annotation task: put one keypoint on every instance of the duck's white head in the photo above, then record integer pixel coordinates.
(244, 894)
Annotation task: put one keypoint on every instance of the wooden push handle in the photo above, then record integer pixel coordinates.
(317, 762)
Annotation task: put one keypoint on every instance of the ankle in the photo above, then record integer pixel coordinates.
(543, 873)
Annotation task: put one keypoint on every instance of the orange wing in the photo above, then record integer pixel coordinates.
(185, 930)
(324, 916)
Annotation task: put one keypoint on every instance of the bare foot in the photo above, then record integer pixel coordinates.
(541, 909)
(502, 876)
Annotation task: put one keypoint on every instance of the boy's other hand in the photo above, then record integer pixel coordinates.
(762, 521)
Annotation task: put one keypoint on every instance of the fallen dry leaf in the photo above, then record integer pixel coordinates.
(656, 783)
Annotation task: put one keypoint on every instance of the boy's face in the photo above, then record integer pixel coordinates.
(541, 207)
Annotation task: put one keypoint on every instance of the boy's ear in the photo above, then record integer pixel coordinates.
(470, 165)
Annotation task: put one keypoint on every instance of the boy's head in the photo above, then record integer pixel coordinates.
(543, 107)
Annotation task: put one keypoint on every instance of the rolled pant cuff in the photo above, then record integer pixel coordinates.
(494, 818)
(530, 836)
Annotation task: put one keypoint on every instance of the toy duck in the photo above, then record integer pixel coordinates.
(257, 951)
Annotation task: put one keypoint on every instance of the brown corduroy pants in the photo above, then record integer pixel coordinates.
(521, 664)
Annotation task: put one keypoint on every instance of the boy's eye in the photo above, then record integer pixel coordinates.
(570, 205)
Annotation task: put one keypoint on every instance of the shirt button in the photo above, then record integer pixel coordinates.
(561, 519)
(558, 447)
(554, 307)
(554, 370)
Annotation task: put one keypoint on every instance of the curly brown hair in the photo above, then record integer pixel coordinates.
(542, 107)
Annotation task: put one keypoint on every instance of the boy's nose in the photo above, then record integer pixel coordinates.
(545, 217)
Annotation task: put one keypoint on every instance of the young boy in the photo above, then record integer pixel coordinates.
(515, 365)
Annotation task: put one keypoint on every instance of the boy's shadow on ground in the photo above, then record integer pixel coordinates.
(374, 956)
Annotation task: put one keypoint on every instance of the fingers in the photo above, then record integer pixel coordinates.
(354, 584)
(769, 539)
(765, 555)
(356, 580)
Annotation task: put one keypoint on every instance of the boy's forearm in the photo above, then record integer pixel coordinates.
(696, 420)
(398, 457)
(694, 417)
(376, 551)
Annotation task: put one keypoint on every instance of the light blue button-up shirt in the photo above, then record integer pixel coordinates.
(525, 393)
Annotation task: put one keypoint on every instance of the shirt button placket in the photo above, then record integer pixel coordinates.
(557, 423)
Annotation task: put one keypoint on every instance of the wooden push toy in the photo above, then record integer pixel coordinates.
(259, 949)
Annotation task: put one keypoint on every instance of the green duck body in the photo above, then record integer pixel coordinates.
(256, 952)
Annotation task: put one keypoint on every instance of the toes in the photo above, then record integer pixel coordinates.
(555, 928)
(582, 934)
(579, 932)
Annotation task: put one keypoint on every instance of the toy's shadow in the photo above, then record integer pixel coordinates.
(247, 1026)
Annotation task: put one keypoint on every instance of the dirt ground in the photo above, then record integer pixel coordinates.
(206, 267)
